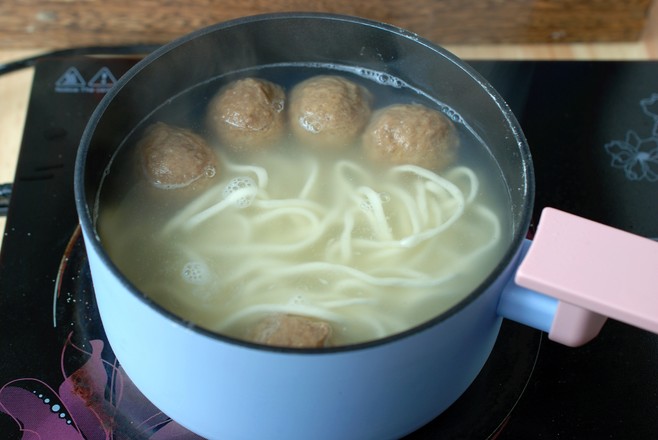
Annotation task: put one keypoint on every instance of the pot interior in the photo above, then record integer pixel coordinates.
(181, 70)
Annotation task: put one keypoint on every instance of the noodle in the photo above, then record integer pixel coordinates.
(377, 244)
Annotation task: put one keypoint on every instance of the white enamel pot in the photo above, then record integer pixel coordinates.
(222, 388)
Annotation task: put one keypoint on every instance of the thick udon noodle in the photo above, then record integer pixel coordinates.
(372, 251)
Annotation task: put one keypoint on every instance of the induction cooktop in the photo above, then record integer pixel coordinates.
(593, 133)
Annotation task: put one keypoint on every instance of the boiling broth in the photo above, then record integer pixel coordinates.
(372, 250)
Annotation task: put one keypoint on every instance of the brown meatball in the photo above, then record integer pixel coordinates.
(329, 111)
(174, 158)
(411, 134)
(291, 331)
(248, 114)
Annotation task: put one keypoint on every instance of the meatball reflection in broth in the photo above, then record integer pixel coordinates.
(174, 158)
(248, 114)
(411, 134)
(329, 111)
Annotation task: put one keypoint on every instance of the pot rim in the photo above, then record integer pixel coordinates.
(518, 235)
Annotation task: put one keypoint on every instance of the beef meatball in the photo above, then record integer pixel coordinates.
(411, 134)
(248, 114)
(293, 331)
(175, 158)
(328, 111)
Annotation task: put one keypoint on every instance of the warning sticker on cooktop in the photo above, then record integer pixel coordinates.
(72, 81)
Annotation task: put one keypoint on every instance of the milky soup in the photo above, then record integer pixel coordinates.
(353, 245)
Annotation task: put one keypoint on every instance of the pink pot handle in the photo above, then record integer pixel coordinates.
(595, 271)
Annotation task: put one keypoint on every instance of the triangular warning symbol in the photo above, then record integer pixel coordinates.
(102, 78)
(71, 78)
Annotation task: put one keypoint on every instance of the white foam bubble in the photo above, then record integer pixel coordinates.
(196, 272)
(278, 105)
(366, 205)
(309, 125)
(210, 171)
(241, 190)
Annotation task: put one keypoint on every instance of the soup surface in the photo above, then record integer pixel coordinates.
(369, 248)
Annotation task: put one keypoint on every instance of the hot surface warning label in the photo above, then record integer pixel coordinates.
(72, 81)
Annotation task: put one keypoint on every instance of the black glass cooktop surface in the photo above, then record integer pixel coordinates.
(593, 132)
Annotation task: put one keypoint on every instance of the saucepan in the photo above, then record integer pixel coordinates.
(572, 276)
